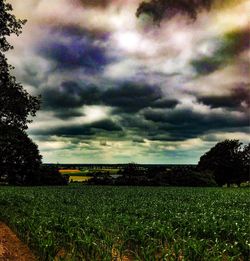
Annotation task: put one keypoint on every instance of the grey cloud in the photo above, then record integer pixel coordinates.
(239, 96)
(131, 97)
(89, 129)
(70, 94)
(107, 125)
(181, 124)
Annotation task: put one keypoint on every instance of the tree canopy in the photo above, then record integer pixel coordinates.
(228, 161)
(16, 104)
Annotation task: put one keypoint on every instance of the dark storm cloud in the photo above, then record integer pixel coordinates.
(88, 129)
(240, 96)
(106, 125)
(164, 103)
(187, 117)
(181, 124)
(65, 114)
(231, 45)
(81, 50)
(131, 97)
(125, 97)
(70, 94)
(76, 130)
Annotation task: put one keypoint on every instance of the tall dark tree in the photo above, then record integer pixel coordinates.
(228, 161)
(159, 9)
(19, 156)
(16, 104)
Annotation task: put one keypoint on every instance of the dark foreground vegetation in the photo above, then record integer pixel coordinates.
(138, 175)
(141, 223)
(225, 164)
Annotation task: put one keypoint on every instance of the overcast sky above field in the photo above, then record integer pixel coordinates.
(116, 88)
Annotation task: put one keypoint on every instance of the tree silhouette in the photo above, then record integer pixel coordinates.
(228, 161)
(16, 104)
(159, 9)
(19, 157)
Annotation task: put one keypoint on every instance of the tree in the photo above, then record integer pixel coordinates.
(228, 161)
(159, 9)
(245, 157)
(19, 157)
(16, 104)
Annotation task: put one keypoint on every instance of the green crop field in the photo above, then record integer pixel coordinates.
(130, 223)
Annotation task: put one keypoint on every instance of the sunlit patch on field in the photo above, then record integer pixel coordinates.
(79, 178)
(68, 171)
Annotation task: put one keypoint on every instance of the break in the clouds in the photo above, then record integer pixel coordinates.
(121, 88)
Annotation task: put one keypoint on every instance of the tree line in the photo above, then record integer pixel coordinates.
(226, 163)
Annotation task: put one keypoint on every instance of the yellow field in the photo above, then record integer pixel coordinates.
(67, 171)
(79, 178)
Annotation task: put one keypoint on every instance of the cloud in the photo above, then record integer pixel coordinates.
(107, 125)
(230, 45)
(132, 97)
(70, 94)
(155, 93)
(184, 123)
(73, 48)
(239, 97)
(77, 129)
(124, 97)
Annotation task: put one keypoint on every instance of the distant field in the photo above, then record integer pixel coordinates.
(73, 172)
(83, 174)
(134, 223)
(79, 178)
(87, 171)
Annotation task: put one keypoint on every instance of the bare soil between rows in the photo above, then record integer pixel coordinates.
(12, 248)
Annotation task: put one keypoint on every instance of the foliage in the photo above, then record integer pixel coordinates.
(97, 223)
(50, 175)
(186, 177)
(19, 156)
(20, 161)
(8, 25)
(16, 105)
(228, 161)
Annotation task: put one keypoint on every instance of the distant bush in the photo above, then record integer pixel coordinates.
(50, 175)
(190, 177)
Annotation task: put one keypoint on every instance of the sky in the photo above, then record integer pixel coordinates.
(116, 88)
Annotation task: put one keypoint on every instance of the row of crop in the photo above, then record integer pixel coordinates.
(91, 223)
